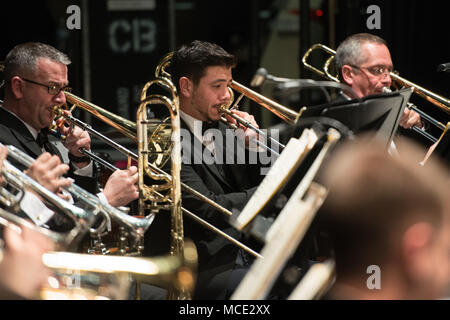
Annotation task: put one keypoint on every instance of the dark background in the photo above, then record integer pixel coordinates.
(416, 31)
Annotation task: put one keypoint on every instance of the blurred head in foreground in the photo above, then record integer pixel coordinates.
(388, 223)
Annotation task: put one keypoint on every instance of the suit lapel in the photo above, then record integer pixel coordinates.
(24, 136)
(50, 147)
(197, 153)
(21, 133)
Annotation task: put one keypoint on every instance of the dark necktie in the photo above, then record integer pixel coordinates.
(209, 125)
(207, 137)
(43, 142)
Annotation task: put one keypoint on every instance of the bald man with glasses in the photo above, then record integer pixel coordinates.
(364, 63)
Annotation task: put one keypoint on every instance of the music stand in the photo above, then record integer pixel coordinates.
(380, 114)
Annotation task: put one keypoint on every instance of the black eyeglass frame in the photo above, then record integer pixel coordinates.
(51, 89)
(384, 70)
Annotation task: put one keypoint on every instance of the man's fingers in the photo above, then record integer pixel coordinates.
(3, 153)
(230, 119)
(63, 196)
(43, 164)
(60, 170)
(132, 170)
(63, 183)
(134, 174)
(66, 131)
(43, 157)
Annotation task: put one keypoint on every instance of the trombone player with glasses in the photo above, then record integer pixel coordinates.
(364, 63)
(36, 76)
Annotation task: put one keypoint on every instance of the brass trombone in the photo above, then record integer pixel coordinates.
(121, 124)
(127, 128)
(279, 110)
(168, 140)
(398, 81)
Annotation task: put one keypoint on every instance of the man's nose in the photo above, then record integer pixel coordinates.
(60, 98)
(386, 81)
(226, 95)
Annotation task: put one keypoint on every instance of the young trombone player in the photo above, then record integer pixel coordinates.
(202, 73)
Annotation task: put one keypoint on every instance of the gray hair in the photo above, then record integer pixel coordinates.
(23, 58)
(349, 51)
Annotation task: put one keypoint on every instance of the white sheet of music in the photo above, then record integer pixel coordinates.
(315, 282)
(283, 218)
(291, 157)
(263, 272)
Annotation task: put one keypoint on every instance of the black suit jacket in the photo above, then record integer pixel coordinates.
(229, 185)
(14, 132)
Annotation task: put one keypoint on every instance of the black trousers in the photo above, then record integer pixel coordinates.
(223, 280)
(147, 292)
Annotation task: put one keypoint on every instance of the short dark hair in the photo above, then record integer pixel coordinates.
(349, 51)
(23, 57)
(192, 60)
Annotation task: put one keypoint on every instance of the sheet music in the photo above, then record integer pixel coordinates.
(283, 217)
(263, 273)
(315, 282)
(291, 157)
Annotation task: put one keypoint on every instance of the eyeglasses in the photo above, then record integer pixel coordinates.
(53, 90)
(376, 71)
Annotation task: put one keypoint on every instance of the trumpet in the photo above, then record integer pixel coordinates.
(398, 81)
(10, 220)
(136, 226)
(82, 219)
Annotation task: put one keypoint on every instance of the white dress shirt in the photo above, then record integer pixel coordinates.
(196, 128)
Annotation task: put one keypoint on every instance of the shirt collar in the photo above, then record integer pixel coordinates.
(194, 125)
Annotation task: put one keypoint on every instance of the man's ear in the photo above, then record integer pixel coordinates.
(17, 87)
(347, 74)
(186, 87)
(416, 245)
